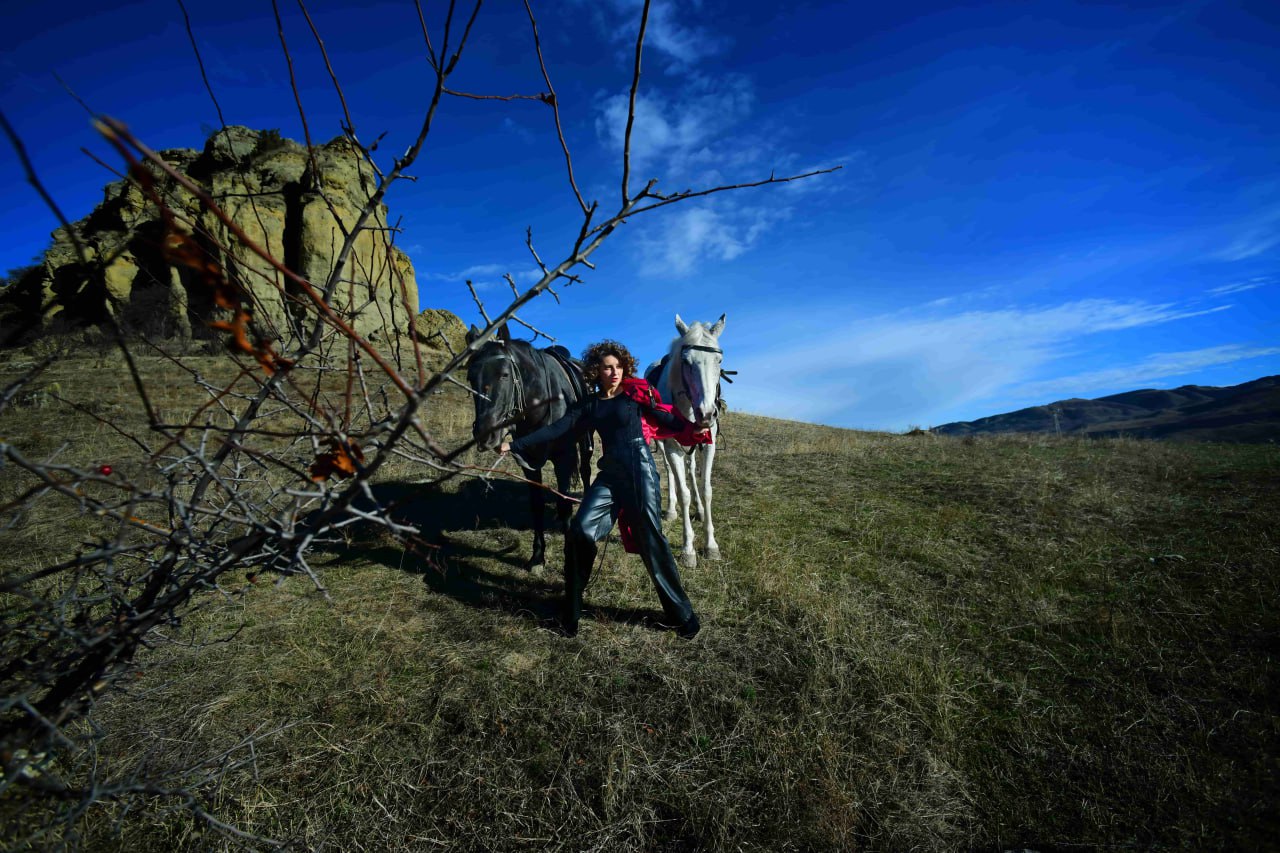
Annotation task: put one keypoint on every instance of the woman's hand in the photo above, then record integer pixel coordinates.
(504, 448)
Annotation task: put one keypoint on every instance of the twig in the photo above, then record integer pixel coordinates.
(541, 96)
(631, 108)
(551, 99)
(479, 304)
(204, 76)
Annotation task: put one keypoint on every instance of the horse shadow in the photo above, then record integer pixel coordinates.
(470, 550)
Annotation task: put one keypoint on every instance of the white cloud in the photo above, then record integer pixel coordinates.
(891, 371)
(692, 131)
(1256, 239)
(688, 237)
(1152, 368)
(518, 130)
(682, 44)
(481, 272)
(485, 277)
(674, 134)
(1240, 286)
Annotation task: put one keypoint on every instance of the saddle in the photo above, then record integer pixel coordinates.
(571, 367)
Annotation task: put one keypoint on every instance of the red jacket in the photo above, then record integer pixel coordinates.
(688, 435)
(645, 394)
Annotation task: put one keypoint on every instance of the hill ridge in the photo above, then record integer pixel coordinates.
(1248, 412)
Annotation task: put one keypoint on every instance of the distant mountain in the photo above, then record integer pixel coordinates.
(1249, 412)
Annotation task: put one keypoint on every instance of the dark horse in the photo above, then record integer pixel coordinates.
(520, 388)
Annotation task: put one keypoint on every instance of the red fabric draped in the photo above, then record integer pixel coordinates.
(688, 435)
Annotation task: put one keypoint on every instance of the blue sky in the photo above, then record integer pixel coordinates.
(1038, 200)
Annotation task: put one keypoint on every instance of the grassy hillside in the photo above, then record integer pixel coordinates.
(911, 643)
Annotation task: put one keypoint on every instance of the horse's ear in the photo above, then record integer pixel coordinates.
(681, 326)
(718, 327)
(504, 334)
(472, 333)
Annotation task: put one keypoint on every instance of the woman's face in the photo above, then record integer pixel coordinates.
(611, 373)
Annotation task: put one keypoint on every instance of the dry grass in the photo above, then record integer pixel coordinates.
(911, 643)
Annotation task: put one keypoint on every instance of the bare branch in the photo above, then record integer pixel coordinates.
(479, 304)
(551, 99)
(688, 194)
(631, 107)
(544, 97)
(199, 61)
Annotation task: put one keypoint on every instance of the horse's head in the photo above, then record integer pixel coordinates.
(697, 357)
(493, 373)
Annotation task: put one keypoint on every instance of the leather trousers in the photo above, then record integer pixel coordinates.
(627, 479)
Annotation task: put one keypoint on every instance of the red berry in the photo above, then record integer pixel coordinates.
(105, 470)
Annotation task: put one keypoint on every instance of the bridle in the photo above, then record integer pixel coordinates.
(726, 375)
(517, 408)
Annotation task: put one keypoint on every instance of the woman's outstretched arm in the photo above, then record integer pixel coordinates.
(573, 421)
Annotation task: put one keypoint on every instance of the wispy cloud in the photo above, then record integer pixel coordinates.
(482, 271)
(1240, 286)
(691, 236)
(1150, 369)
(674, 132)
(682, 43)
(692, 130)
(1258, 238)
(518, 130)
(889, 371)
(485, 276)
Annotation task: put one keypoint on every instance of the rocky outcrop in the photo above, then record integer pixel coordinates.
(441, 330)
(293, 205)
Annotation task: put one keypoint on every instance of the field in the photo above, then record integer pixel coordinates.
(912, 642)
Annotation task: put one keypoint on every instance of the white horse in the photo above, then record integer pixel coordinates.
(689, 379)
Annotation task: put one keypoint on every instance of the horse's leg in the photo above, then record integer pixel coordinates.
(536, 502)
(672, 500)
(708, 452)
(696, 510)
(688, 557)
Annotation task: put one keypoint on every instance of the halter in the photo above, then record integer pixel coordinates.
(516, 378)
(727, 375)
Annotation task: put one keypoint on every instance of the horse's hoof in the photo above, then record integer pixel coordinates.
(713, 553)
(696, 516)
(669, 515)
(535, 568)
(689, 560)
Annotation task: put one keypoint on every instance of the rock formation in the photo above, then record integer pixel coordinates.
(287, 202)
(441, 330)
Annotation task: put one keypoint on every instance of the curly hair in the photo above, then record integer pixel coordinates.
(593, 357)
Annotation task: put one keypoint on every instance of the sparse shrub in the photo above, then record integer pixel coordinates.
(269, 140)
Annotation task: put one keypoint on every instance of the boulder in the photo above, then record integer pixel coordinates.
(441, 330)
(294, 204)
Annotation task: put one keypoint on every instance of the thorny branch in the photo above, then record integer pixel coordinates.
(280, 457)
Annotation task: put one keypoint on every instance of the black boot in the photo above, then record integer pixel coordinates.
(579, 558)
(690, 628)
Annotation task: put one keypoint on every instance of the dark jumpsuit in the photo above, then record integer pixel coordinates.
(627, 479)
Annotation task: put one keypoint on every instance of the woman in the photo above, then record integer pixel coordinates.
(622, 412)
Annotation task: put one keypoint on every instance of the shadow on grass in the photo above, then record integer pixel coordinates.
(461, 561)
